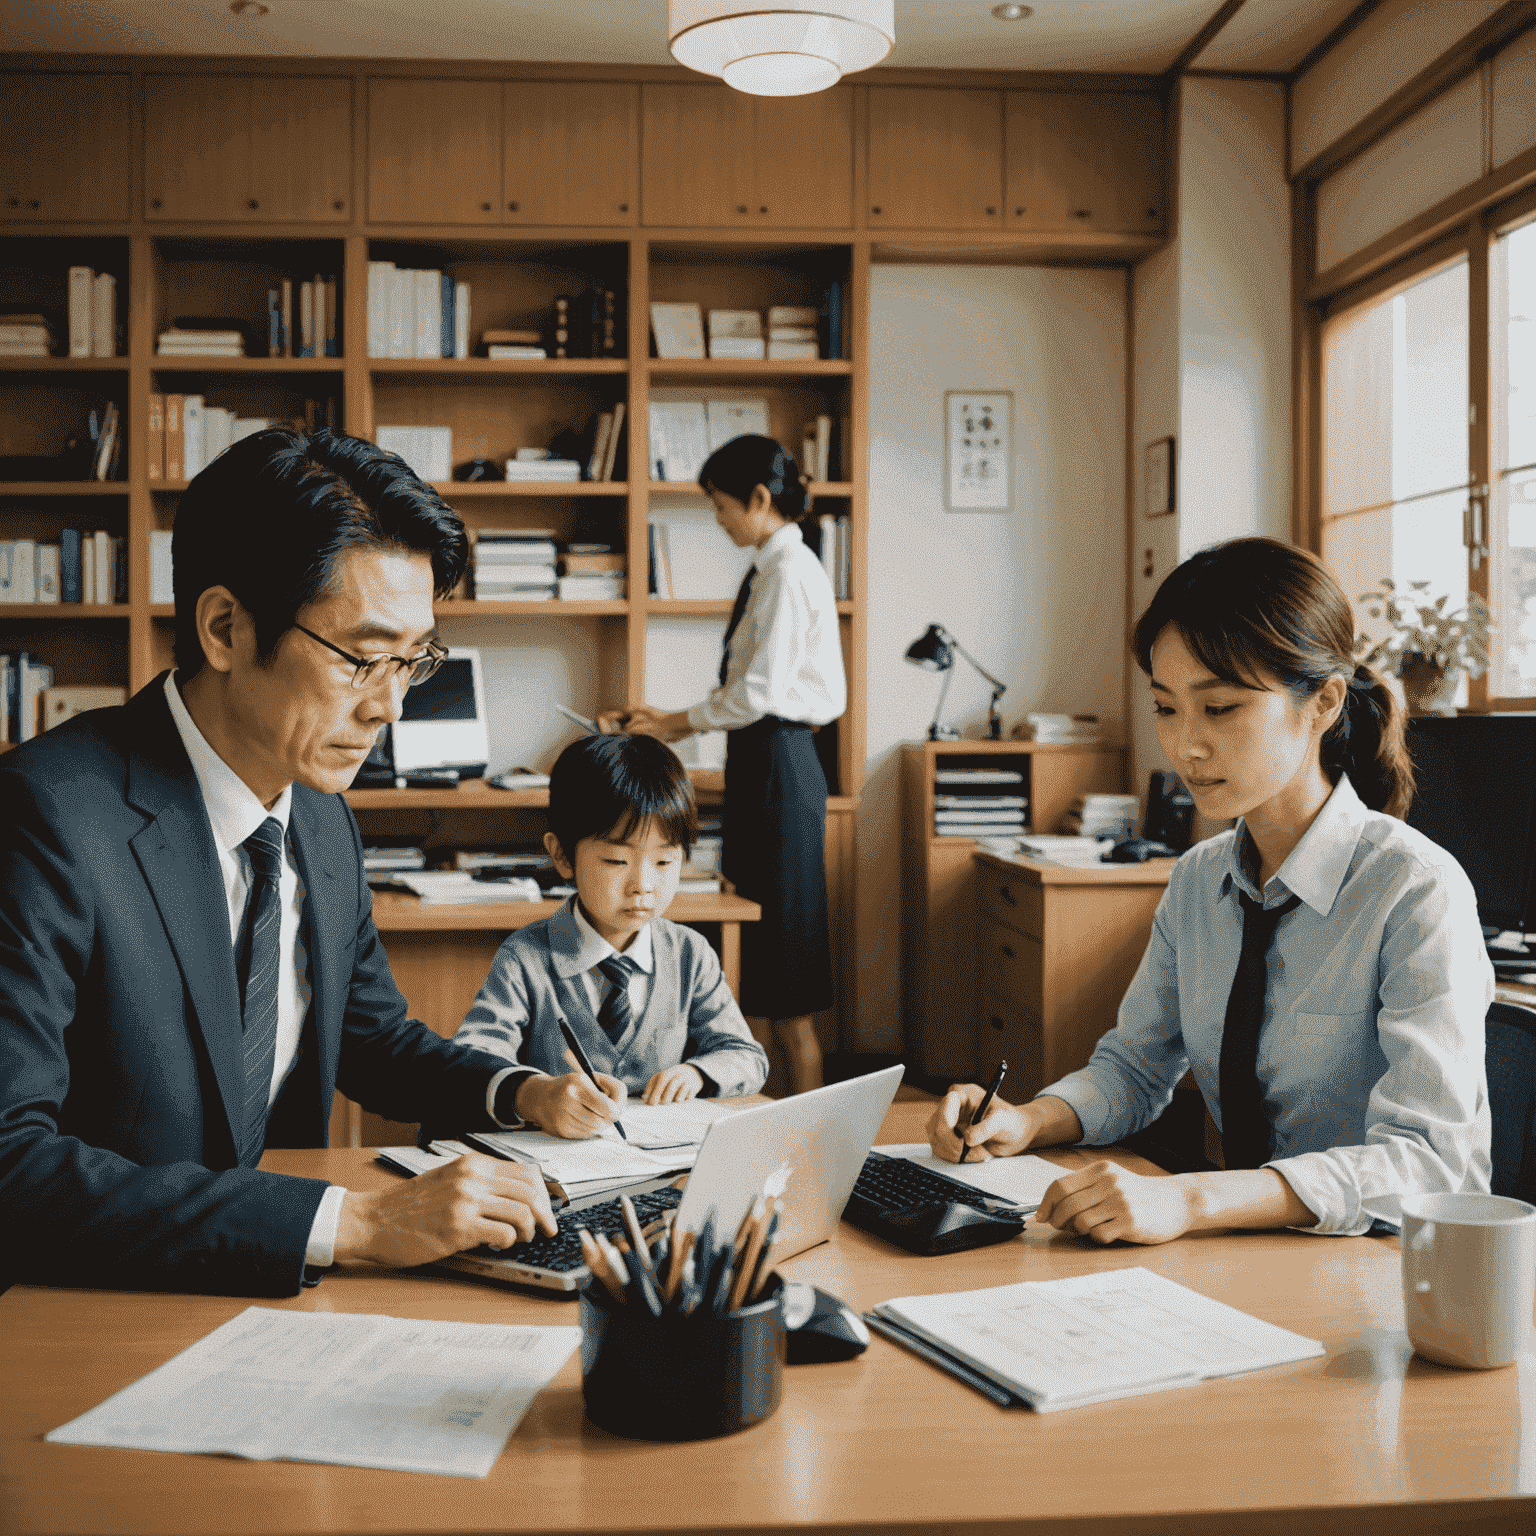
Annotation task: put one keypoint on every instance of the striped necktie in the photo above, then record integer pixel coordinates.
(738, 608)
(258, 972)
(1244, 1125)
(616, 1014)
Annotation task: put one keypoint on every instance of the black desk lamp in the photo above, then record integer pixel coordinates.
(935, 652)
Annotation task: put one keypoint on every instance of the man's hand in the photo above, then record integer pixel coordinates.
(674, 1085)
(1106, 1203)
(645, 721)
(570, 1106)
(473, 1200)
(611, 722)
(1004, 1132)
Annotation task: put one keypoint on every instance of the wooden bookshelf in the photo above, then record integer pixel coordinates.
(486, 170)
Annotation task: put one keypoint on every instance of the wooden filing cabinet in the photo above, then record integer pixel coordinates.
(1057, 948)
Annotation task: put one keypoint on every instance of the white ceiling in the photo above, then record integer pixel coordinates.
(1140, 36)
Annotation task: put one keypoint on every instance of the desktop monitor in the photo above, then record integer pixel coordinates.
(1476, 798)
(441, 732)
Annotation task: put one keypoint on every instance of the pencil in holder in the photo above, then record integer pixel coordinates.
(680, 1376)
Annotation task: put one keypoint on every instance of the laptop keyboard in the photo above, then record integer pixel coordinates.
(562, 1252)
(893, 1184)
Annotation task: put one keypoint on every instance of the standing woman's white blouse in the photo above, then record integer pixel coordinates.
(786, 657)
(1371, 1056)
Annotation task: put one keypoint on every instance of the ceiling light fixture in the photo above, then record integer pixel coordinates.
(1013, 12)
(790, 48)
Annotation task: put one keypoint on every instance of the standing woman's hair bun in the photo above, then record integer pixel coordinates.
(738, 467)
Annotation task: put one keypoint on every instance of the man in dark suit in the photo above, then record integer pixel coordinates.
(188, 961)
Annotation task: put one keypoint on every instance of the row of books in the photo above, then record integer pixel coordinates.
(787, 332)
(837, 552)
(184, 433)
(30, 701)
(87, 567)
(683, 433)
(1102, 816)
(416, 313)
(527, 565)
(92, 313)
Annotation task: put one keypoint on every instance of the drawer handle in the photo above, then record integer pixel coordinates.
(513, 207)
(991, 211)
(1082, 213)
(997, 1023)
(1007, 895)
(485, 207)
(1008, 950)
(338, 205)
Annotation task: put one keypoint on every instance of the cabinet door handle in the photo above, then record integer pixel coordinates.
(741, 207)
(154, 202)
(874, 210)
(252, 204)
(1151, 213)
(485, 207)
(1082, 213)
(13, 202)
(1007, 895)
(32, 202)
(995, 1022)
(1019, 213)
(1008, 950)
(513, 207)
(623, 207)
(990, 212)
(762, 210)
(338, 205)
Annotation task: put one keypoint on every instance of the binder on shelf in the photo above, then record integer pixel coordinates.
(104, 316)
(82, 305)
(678, 330)
(102, 566)
(69, 566)
(461, 320)
(155, 439)
(175, 441)
(47, 573)
(192, 436)
(380, 275)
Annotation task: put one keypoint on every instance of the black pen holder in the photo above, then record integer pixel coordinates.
(680, 1378)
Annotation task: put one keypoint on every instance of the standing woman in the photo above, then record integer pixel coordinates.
(781, 677)
(1321, 968)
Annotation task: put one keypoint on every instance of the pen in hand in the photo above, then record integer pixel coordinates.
(578, 1059)
(983, 1107)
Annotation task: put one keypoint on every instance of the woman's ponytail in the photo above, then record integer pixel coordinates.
(1367, 742)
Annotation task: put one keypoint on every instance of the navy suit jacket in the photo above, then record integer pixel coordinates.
(121, 1075)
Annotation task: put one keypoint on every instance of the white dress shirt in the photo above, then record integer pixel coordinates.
(595, 949)
(786, 655)
(1371, 1055)
(234, 813)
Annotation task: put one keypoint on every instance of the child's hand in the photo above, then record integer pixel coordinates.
(674, 1085)
(570, 1106)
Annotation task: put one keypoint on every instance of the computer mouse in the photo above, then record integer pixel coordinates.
(1137, 850)
(831, 1331)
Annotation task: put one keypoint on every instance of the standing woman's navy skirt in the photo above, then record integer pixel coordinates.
(776, 855)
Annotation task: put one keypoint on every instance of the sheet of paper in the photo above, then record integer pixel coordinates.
(1023, 1180)
(348, 1389)
(580, 1162)
(659, 1126)
(1062, 1343)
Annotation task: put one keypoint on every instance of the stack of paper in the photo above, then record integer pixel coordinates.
(1066, 850)
(349, 1390)
(451, 887)
(1062, 1343)
(587, 1167)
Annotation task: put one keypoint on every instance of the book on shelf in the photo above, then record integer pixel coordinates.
(835, 532)
(175, 439)
(831, 319)
(106, 441)
(729, 419)
(680, 441)
(799, 317)
(161, 587)
(677, 329)
(660, 584)
(154, 448)
(82, 309)
(735, 333)
(563, 470)
(584, 562)
(793, 351)
(25, 335)
(742, 348)
(416, 312)
(500, 353)
(461, 320)
(603, 443)
(591, 589)
(793, 333)
(426, 450)
(1102, 816)
(192, 460)
(180, 342)
(962, 776)
(104, 315)
(1059, 729)
(587, 325)
(22, 683)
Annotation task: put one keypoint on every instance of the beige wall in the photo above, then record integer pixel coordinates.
(1038, 594)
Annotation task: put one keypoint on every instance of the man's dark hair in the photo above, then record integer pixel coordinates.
(604, 786)
(271, 515)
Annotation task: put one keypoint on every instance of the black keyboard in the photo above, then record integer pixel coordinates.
(925, 1212)
(562, 1252)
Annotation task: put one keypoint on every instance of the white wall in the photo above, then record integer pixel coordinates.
(1037, 595)
(1211, 329)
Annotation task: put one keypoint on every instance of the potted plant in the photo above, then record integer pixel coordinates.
(1429, 645)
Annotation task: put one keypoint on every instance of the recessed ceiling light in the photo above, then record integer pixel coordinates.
(1012, 12)
(251, 10)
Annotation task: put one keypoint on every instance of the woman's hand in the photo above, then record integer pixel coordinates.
(674, 1084)
(1107, 1203)
(1004, 1132)
(645, 721)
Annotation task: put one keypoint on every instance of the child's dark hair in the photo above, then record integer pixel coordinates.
(1258, 605)
(604, 786)
(736, 468)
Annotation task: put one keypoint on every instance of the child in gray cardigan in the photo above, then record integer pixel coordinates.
(645, 997)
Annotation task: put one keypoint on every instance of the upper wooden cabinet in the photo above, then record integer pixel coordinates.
(571, 153)
(935, 158)
(264, 149)
(1084, 161)
(64, 152)
(434, 151)
(715, 158)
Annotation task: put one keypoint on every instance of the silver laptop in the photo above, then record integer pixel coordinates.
(822, 1137)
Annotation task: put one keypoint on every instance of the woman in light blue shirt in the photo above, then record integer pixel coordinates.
(1320, 969)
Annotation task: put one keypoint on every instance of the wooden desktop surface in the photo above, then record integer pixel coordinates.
(1368, 1439)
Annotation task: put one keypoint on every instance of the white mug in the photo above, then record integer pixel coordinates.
(1469, 1277)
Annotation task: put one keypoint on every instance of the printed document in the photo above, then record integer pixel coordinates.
(1062, 1343)
(347, 1389)
(1022, 1180)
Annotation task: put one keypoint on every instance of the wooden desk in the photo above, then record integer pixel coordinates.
(1366, 1440)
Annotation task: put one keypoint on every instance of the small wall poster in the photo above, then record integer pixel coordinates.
(978, 450)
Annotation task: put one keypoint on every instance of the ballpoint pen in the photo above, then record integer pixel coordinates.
(582, 1064)
(982, 1108)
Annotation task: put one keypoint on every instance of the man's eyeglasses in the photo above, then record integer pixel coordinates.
(372, 670)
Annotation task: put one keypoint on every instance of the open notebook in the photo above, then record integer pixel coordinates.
(1062, 1343)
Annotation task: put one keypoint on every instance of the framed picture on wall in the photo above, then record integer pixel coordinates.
(978, 450)
(1157, 472)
